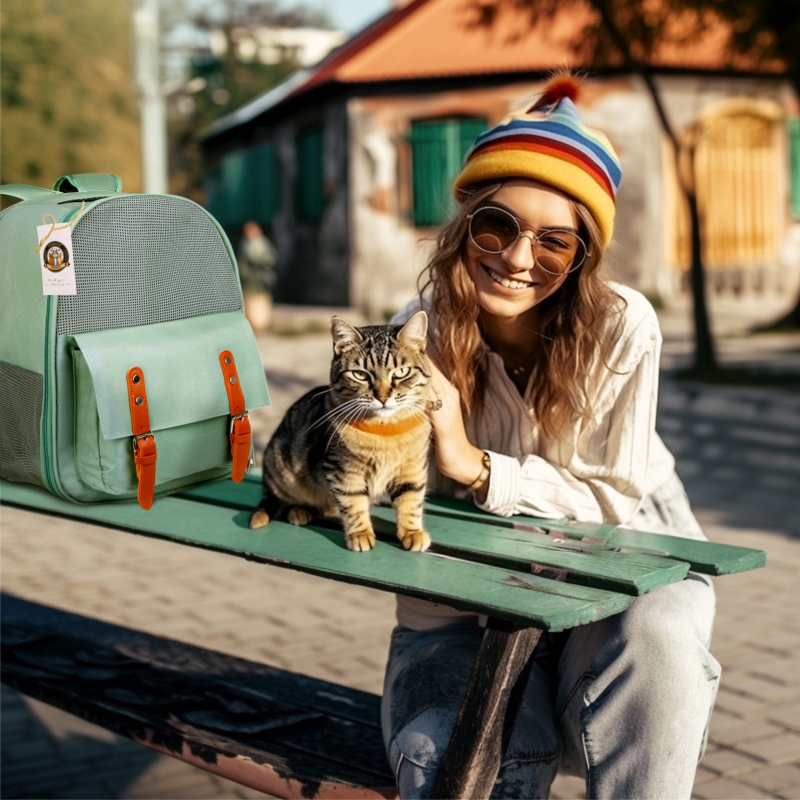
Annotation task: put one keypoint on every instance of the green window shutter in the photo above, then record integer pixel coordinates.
(310, 175)
(468, 131)
(235, 189)
(212, 190)
(265, 182)
(438, 148)
(794, 162)
(429, 172)
(245, 187)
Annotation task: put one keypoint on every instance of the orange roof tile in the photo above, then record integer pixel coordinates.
(444, 38)
(426, 39)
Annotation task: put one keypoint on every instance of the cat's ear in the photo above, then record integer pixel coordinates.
(343, 334)
(415, 331)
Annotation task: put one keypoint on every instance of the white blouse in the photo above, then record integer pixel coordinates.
(598, 471)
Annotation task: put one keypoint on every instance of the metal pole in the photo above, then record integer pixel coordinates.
(151, 99)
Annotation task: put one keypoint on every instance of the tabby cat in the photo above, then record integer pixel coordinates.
(341, 447)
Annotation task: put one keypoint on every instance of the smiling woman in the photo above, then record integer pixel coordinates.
(515, 270)
(546, 376)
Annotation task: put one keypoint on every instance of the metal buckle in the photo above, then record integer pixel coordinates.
(140, 436)
(243, 415)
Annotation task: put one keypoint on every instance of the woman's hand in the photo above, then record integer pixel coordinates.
(456, 456)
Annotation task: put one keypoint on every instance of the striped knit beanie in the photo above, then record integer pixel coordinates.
(549, 143)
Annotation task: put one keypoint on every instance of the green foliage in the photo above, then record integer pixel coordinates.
(67, 98)
(229, 82)
(759, 29)
(765, 29)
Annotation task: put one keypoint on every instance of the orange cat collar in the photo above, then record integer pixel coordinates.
(387, 428)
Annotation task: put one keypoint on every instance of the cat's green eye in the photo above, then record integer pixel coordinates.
(401, 372)
(360, 375)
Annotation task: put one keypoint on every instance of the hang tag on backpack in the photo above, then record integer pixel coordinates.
(56, 259)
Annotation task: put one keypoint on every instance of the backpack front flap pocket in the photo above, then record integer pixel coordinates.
(187, 402)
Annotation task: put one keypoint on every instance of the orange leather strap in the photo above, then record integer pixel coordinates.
(241, 434)
(144, 443)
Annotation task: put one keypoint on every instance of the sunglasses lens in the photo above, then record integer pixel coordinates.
(557, 251)
(493, 230)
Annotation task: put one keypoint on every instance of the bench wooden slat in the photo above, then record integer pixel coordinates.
(281, 733)
(709, 558)
(492, 543)
(507, 594)
(586, 564)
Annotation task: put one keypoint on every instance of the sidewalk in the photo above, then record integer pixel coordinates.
(738, 451)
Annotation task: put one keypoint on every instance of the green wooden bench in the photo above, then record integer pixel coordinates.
(527, 574)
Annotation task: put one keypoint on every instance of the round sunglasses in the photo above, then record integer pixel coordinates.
(556, 251)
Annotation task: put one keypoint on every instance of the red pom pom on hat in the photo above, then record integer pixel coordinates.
(557, 88)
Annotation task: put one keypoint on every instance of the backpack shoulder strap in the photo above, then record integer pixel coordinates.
(88, 182)
(23, 191)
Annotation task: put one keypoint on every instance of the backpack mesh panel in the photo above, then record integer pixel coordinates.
(21, 394)
(146, 259)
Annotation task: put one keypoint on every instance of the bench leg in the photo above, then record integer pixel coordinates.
(471, 762)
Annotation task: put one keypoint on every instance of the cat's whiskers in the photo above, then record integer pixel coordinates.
(347, 414)
(322, 391)
(336, 412)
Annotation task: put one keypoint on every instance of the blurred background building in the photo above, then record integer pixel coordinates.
(343, 148)
(354, 158)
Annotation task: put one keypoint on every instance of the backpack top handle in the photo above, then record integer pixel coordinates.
(88, 182)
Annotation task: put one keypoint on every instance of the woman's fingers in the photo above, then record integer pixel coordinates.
(441, 388)
(456, 456)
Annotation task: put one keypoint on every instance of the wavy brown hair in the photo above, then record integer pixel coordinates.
(570, 324)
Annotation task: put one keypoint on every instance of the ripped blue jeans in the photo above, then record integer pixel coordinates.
(624, 702)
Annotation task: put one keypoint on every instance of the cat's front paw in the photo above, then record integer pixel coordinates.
(418, 541)
(360, 542)
(259, 519)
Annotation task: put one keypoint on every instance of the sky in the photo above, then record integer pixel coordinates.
(350, 15)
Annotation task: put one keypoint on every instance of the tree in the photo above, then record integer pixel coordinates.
(68, 103)
(765, 29)
(220, 83)
(625, 35)
(762, 31)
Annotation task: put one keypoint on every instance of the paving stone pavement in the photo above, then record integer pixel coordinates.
(738, 452)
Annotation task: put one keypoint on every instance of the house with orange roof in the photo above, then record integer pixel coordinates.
(347, 165)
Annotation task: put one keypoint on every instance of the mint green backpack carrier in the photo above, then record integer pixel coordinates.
(138, 384)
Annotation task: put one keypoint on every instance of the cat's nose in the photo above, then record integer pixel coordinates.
(383, 393)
